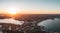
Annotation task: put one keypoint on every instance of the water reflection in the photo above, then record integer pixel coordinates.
(51, 25)
(12, 21)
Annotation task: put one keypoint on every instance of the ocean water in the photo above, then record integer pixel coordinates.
(51, 24)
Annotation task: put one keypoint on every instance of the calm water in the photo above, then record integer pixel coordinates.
(51, 25)
(12, 21)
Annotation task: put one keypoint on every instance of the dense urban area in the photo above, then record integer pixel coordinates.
(30, 23)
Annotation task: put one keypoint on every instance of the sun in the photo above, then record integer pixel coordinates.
(12, 10)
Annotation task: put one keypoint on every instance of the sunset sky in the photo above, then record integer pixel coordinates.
(30, 6)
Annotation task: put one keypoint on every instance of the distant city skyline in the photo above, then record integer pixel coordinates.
(31, 6)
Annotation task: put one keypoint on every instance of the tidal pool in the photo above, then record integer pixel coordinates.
(51, 24)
